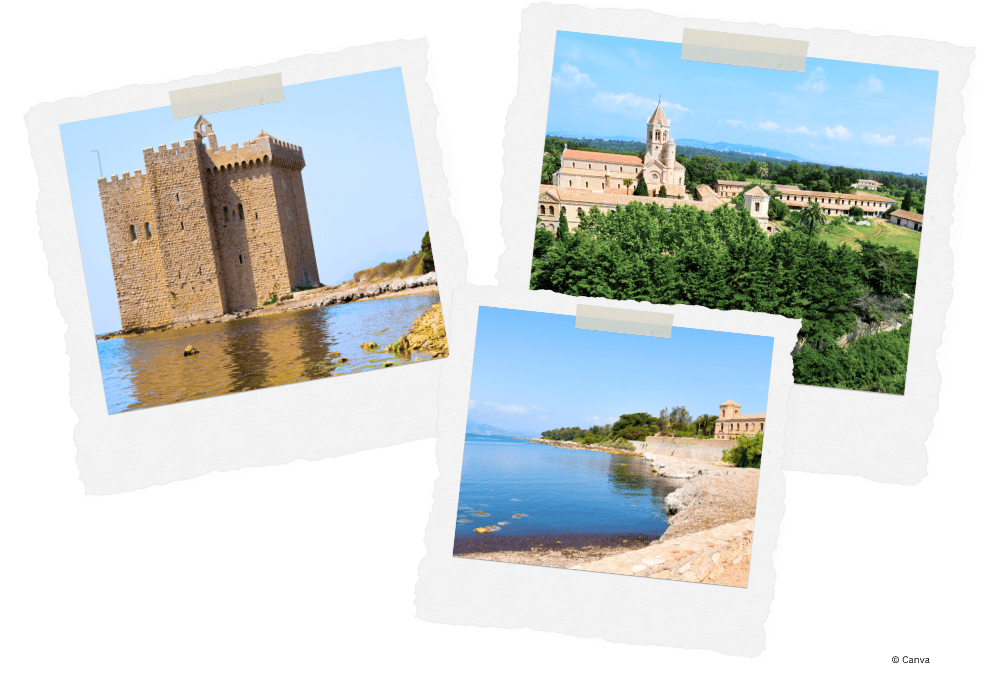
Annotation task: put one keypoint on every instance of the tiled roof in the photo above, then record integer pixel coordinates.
(743, 416)
(731, 403)
(572, 195)
(658, 114)
(738, 183)
(598, 157)
(595, 172)
(911, 215)
(786, 189)
(756, 192)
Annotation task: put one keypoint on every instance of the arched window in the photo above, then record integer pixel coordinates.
(229, 167)
(541, 208)
(149, 231)
(562, 210)
(570, 183)
(131, 231)
(244, 165)
(579, 212)
(258, 162)
(240, 209)
(586, 184)
(552, 211)
(225, 213)
(589, 166)
(265, 160)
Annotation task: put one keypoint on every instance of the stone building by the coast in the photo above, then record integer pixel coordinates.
(208, 230)
(732, 423)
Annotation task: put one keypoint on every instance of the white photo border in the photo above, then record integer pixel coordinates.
(617, 608)
(306, 420)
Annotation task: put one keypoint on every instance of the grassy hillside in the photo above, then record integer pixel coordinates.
(421, 262)
(880, 232)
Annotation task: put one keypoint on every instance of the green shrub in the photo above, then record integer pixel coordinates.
(746, 453)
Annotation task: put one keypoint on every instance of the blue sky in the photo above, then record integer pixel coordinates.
(361, 179)
(535, 371)
(854, 114)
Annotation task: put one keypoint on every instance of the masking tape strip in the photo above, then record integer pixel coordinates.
(231, 94)
(605, 318)
(744, 50)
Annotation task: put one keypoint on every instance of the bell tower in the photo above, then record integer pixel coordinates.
(657, 135)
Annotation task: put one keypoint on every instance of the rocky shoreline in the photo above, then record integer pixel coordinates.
(568, 445)
(310, 298)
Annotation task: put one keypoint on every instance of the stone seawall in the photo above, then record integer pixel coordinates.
(710, 452)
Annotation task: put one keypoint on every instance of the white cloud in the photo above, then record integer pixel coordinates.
(878, 139)
(839, 132)
(627, 103)
(637, 58)
(569, 77)
(734, 122)
(919, 142)
(472, 404)
(871, 85)
(768, 126)
(801, 130)
(816, 82)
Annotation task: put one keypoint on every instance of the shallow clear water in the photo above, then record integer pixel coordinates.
(253, 353)
(581, 496)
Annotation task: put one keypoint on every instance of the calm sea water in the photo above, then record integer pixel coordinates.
(252, 353)
(577, 495)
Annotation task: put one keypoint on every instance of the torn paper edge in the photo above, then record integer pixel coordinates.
(891, 437)
(346, 414)
(617, 608)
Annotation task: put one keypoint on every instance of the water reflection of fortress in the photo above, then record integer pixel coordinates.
(206, 230)
(250, 354)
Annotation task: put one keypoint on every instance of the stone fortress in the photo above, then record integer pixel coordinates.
(732, 423)
(207, 230)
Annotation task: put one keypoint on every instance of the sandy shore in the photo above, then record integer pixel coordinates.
(710, 495)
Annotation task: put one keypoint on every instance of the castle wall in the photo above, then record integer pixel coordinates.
(295, 230)
(190, 265)
(136, 264)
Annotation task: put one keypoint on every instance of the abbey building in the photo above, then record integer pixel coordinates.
(207, 230)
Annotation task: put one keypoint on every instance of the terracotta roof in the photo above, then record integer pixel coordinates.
(658, 114)
(911, 215)
(706, 193)
(601, 157)
(574, 196)
(732, 182)
(787, 189)
(742, 416)
(595, 172)
(731, 403)
(756, 192)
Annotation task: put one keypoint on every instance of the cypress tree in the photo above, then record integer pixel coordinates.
(563, 229)
(907, 201)
(640, 189)
(662, 192)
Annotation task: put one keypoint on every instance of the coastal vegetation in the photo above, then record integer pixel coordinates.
(723, 260)
(746, 452)
(419, 263)
(638, 426)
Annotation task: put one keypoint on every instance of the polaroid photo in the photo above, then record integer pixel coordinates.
(195, 274)
(749, 167)
(609, 469)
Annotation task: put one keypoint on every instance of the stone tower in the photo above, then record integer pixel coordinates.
(757, 200)
(206, 230)
(730, 409)
(660, 166)
(657, 134)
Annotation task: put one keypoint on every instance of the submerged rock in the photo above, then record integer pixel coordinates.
(369, 346)
(519, 515)
(488, 528)
(190, 350)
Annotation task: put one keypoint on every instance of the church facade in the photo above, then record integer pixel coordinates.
(732, 423)
(207, 230)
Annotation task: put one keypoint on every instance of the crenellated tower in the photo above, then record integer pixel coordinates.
(208, 230)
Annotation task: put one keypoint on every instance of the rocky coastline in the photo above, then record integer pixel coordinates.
(569, 445)
(311, 298)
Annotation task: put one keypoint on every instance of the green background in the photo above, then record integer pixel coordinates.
(299, 581)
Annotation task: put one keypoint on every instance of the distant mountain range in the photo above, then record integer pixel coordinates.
(739, 148)
(475, 428)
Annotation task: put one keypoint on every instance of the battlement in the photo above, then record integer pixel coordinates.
(136, 179)
(176, 150)
(263, 150)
